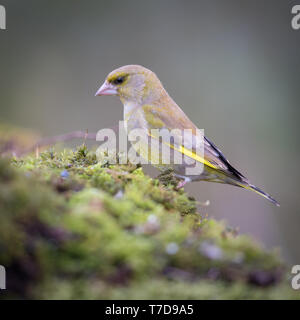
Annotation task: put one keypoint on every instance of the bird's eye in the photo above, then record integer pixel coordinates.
(119, 80)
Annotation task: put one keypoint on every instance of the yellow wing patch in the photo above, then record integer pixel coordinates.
(189, 153)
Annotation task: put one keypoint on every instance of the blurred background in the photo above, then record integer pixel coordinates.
(233, 67)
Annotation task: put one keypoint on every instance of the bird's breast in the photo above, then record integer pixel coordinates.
(128, 110)
(134, 118)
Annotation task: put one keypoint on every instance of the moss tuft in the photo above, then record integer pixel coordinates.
(74, 228)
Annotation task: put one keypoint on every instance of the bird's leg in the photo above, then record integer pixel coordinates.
(181, 184)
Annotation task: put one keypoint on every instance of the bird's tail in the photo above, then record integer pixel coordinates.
(258, 191)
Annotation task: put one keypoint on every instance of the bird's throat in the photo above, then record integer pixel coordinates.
(128, 110)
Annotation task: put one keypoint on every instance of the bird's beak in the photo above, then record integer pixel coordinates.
(107, 89)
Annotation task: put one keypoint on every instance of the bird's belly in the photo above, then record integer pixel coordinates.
(154, 152)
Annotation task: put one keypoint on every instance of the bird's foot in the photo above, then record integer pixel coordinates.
(181, 184)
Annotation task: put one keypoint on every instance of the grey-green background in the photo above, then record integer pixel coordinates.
(233, 66)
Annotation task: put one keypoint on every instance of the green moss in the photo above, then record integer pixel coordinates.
(74, 228)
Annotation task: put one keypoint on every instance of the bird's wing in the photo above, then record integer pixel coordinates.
(174, 118)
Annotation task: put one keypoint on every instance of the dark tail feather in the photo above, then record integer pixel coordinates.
(260, 192)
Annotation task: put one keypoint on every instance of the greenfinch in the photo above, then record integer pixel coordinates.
(147, 106)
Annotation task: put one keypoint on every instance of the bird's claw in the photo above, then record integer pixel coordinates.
(181, 184)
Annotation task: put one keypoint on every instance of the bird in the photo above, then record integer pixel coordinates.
(147, 106)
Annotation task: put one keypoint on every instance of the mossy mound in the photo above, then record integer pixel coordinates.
(75, 228)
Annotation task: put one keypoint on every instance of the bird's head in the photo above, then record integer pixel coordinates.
(133, 84)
